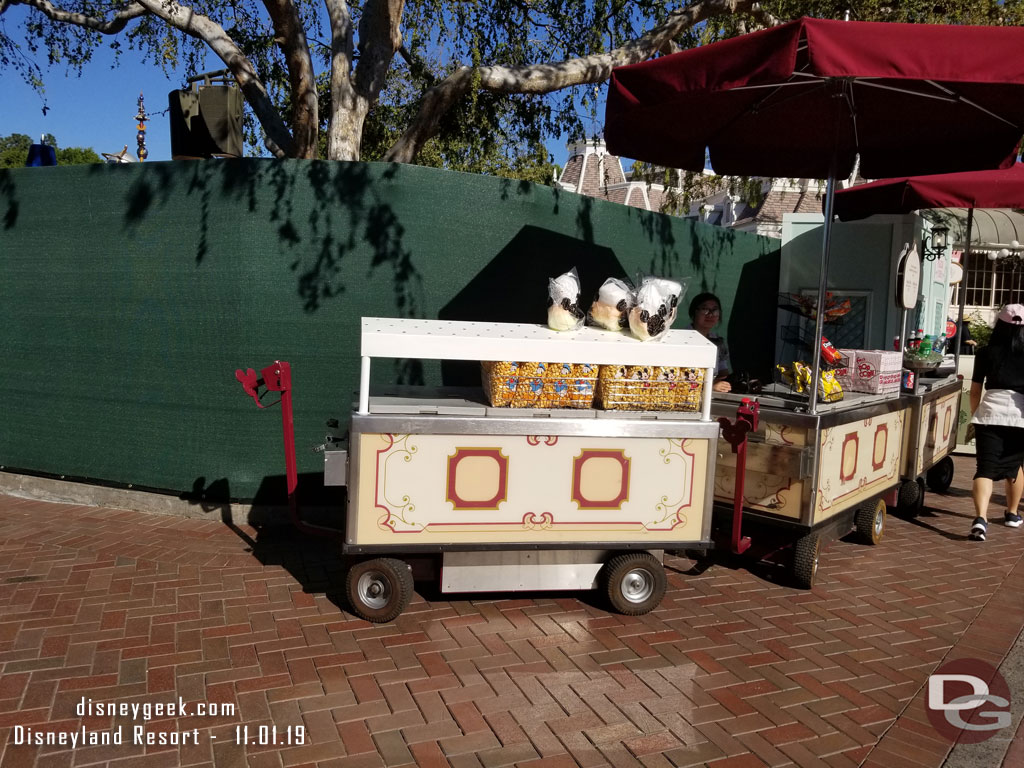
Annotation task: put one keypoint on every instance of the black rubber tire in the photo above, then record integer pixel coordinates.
(869, 520)
(940, 477)
(910, 498)
(379, 590)
(805, 560)
(634, 582)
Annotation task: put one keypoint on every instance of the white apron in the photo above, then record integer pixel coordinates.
(1002, 407)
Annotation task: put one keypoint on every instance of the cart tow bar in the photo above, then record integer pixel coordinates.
(277, 377)
(736, 435)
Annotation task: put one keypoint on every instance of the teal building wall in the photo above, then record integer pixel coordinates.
(863, 262)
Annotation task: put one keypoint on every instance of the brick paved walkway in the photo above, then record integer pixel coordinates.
(732, 671)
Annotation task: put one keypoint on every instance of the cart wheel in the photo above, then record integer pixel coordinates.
(940, 477)
(870, 521)
(805, 560)
(634, 582)
(378, 590)
(910, 499)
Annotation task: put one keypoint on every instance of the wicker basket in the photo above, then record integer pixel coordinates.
(539, 385)
(650, 388)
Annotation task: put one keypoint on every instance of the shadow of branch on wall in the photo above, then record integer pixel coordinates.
(342, 212)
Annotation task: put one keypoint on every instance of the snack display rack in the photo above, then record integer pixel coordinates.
(502, 498)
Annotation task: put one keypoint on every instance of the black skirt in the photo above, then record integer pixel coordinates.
(1000, 451)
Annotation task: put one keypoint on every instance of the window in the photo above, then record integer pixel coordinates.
(994, 283)
(1008, 280)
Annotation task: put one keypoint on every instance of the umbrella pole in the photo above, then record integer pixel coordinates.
(819, 325)
(963, 294)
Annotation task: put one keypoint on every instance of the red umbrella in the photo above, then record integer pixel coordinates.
(804, 99)
(972, 189)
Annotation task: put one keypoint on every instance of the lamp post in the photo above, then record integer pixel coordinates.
(933, 243)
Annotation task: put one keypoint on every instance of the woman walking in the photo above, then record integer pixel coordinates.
(999, 418)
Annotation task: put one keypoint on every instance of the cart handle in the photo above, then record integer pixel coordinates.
(735, 433)
(276, 377)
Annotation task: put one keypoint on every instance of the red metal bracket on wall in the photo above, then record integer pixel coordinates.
(735, 433)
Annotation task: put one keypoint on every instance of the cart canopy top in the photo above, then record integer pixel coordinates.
(971, 189)
(804, 98)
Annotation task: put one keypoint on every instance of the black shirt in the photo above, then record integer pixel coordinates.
(962, 338)
(998, 369)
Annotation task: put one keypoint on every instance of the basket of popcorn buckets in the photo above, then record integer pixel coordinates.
(646, 312)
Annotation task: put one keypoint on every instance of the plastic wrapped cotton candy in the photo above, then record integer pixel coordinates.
(657, 300)
(564, 313)
(674, 291)
(611, 306)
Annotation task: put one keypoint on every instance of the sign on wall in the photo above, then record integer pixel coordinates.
(908, 279)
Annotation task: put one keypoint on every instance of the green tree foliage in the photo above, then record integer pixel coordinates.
(14, 152)
(472, 84)
(981, 331)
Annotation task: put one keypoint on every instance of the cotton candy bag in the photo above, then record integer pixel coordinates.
(610, 309)
(564, 313)
(657, 302)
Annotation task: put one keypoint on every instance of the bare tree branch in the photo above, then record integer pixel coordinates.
(291, 37)
(379, 39)
(279, 141)
(554, 76)
(109, 26)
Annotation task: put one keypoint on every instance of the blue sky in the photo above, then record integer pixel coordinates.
(98, 109)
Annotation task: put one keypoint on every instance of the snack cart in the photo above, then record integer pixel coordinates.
(817, 473)
(817, 476)
(931, 438)
(811, 477)
(781, 102)
(504, 498)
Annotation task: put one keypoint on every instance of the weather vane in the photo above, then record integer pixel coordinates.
(140, 137)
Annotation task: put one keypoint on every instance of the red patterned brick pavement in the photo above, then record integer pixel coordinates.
(735, 669)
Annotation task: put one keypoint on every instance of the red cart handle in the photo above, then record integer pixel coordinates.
(276, 378)
(735, 433)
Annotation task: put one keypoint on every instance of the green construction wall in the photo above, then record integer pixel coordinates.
(131, 293)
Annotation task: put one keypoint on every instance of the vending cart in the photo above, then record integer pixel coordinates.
(931, 438)
(811, 477)
(524, 498)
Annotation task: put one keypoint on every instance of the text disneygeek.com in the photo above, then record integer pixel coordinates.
(146, 735)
